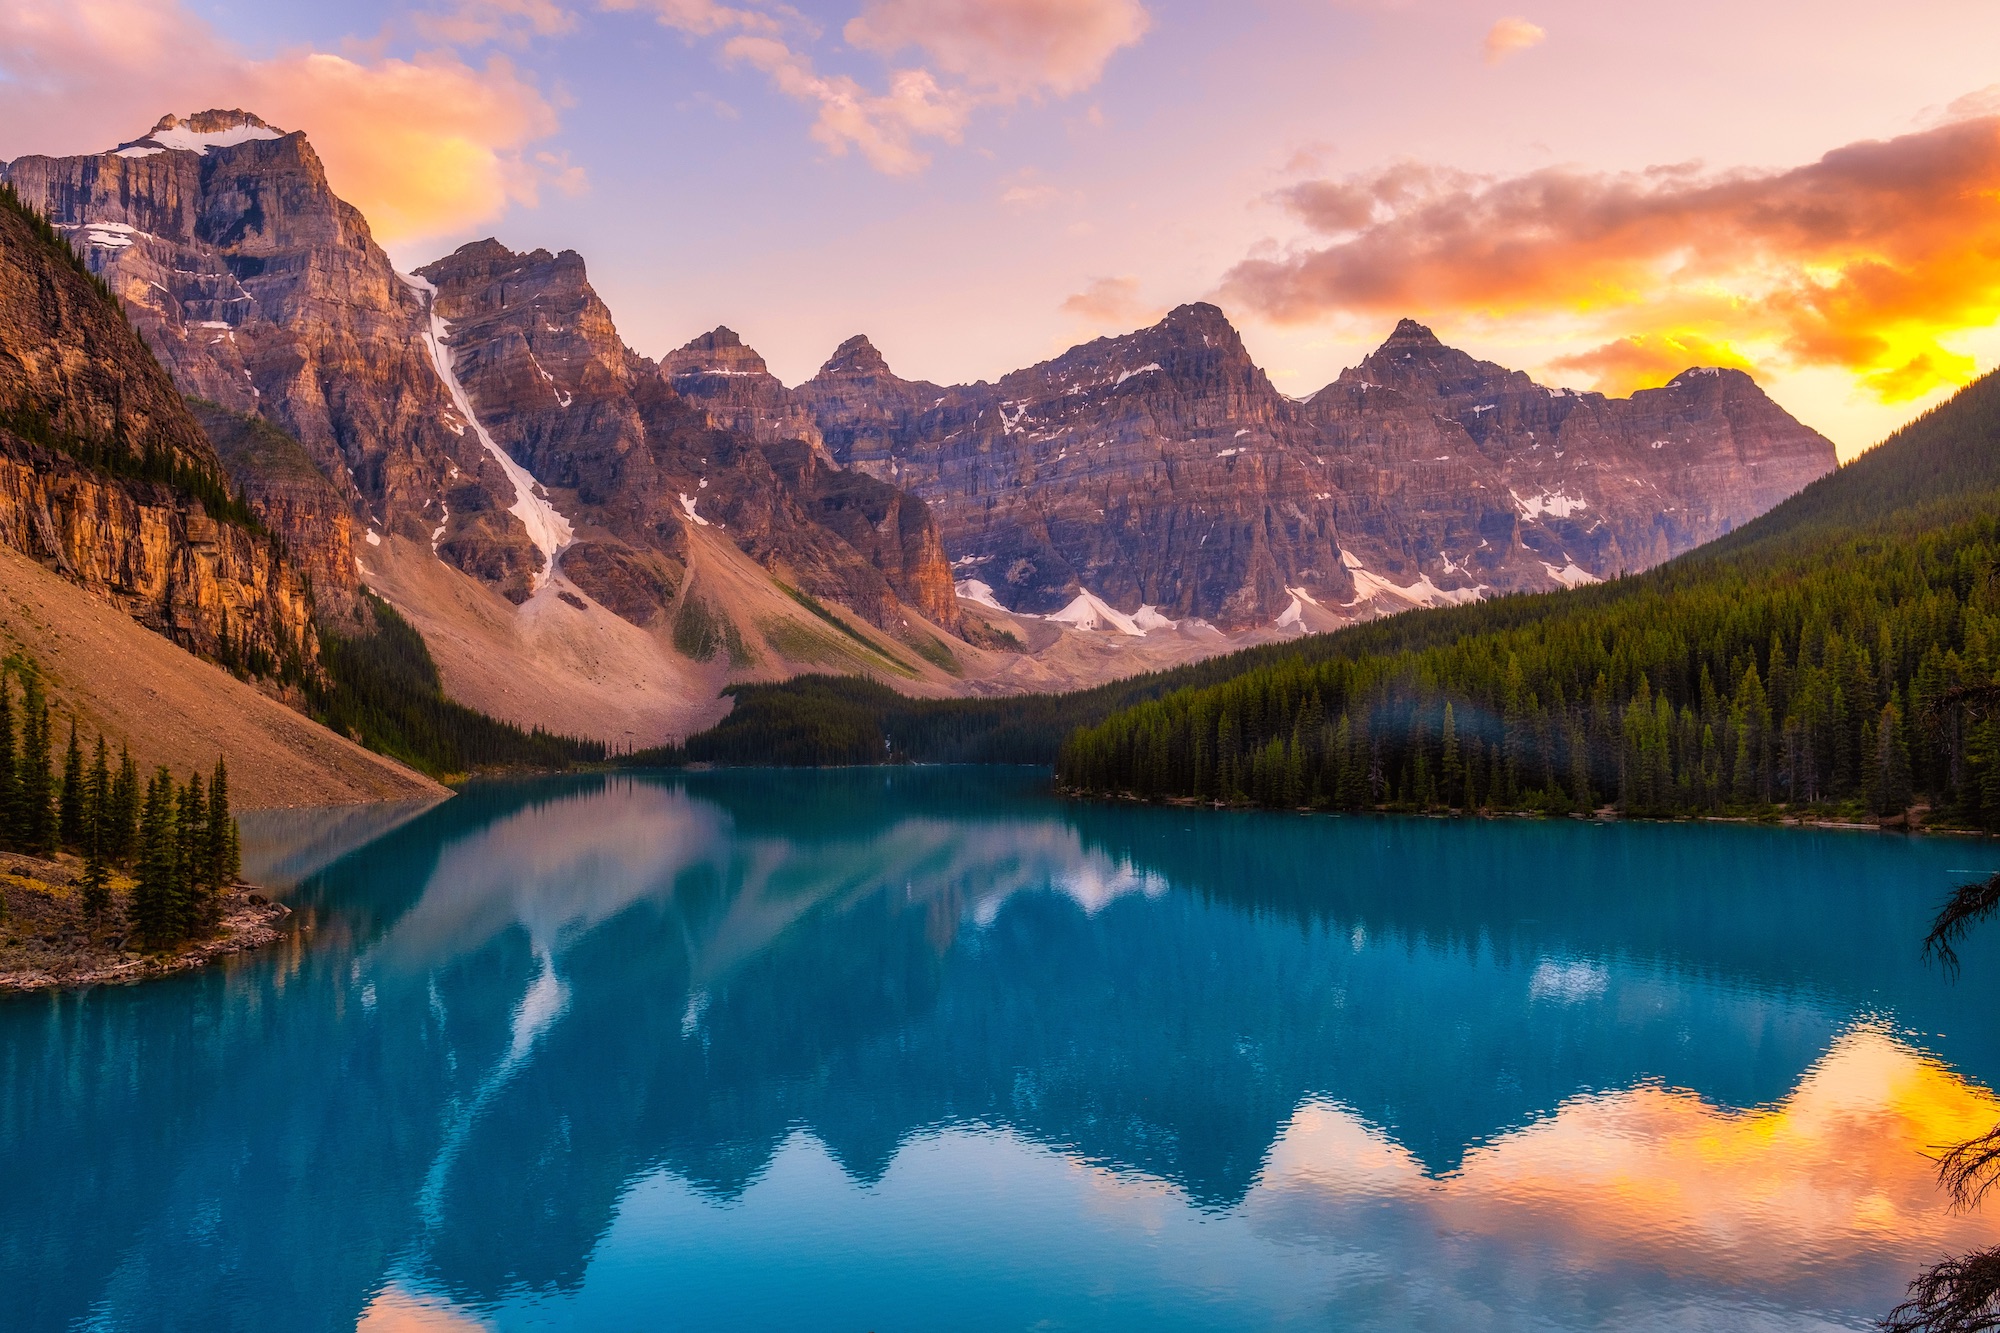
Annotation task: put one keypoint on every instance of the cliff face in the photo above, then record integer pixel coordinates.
(636, 463)
(738, 391)
(1162, 470)
(274, 474)
(104, 474)
(261, 291)
(1501, 481)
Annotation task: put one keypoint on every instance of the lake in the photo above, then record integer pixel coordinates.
(929, 1049)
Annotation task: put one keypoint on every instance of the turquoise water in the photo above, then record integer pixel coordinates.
(927, 1049)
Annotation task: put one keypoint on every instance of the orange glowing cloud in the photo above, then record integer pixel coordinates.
(423, 147)
(1648, 360)
(1865, 260)
(1111, 303)
(1509, 35)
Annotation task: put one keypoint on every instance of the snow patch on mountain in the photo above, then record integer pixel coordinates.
(978, 592)
(1371, 587)
(547, 529)
(1090, 612)
(1550, 504)
(1571, 575)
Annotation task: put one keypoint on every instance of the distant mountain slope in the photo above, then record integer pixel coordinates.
(1162, 470)
(1837, 657)
(1867, 601)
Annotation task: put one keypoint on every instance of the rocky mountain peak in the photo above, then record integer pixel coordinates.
(856, 356)
(720, 352)
(1198, 317)
(200, 132)
(1414, 360)
(215, 122)
(1409, 333)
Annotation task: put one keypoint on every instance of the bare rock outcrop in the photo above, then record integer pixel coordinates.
(106, 476)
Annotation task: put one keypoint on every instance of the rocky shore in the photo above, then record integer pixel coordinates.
(45, 941)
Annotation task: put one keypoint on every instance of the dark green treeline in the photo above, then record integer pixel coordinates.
(178, 840)
(1833, 657)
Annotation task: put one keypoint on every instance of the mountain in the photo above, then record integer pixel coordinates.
(1162, 475)
(105, 473)
(474, 441)
(539, 357)
(1805, 657)
(579, 532)
(262, 292)
(1833, 658)
(124, 552)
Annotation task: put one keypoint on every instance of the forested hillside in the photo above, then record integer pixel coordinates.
(1830, 654)
(1839, 654)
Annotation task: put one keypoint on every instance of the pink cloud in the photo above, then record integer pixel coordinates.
(474, 22)
(1111, 303)
(978, 53)
(701, 18)
(882, 127)
(1015, 47)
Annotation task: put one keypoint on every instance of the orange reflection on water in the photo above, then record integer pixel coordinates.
(1835, 1173)
(397, 1309)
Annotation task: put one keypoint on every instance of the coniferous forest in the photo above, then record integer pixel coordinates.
(1838, 655)
(176, 841)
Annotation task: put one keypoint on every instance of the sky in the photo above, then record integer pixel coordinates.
(1600, 193)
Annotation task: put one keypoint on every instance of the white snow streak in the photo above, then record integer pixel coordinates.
(1571, 575)
(1089, 612)
(979, 593)
(547, 529)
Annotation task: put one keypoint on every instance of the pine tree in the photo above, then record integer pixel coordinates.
(197, 891)
(37, 815)
(1892, 764)
(10, 785)
(225, 853)
(96, 836)
(69, 805)
(122, 817)
(156, 913)
(1452, 770)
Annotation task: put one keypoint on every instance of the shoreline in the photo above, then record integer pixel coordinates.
(1902, 824)
(46, 945)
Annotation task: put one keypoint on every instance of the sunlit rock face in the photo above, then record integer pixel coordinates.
(262, 291)
(74, 379)
(1162, 469)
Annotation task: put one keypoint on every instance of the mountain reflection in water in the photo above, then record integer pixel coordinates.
(927, 1049)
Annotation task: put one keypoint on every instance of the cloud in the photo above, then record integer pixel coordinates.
(1648, 360)
(422, 147)
(700, 18)
(1509, 35)
(881, 126)
(1111, 303)
(1863, 260)
(1015, 47)
(979, 53)
(476, 22)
